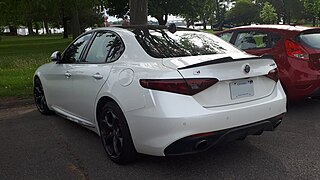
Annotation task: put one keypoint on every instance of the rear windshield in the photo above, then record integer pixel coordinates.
(160, 43)
(311, 39)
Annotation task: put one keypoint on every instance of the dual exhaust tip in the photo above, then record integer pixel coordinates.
(201, 145)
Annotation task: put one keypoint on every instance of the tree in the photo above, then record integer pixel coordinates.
(313, 8)
(287, 10)
(117, 8)
(159, 9)
(199, 10)
(9, 15)
(268, 14)
(35, 13)
(244, 12)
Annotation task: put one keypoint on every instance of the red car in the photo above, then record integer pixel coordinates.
(295, 49)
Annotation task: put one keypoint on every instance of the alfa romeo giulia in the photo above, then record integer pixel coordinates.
(160, 91)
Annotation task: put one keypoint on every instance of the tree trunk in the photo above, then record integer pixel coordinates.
(289, 18)
(204, 24)
(65, 26)
(138, 12)
(75, 23)
(46, 26)
(13, 30)
(314, 21)
(162, 21)
(188, 23)
(218, 16)
(37, 28)
(30, 28)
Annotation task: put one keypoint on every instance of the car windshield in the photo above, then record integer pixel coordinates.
(160, 43)
(312, 39)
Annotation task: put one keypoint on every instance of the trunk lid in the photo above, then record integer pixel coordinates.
(235, 85)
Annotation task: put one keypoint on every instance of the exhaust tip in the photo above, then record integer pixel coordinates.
(277, 124)
(201, 145)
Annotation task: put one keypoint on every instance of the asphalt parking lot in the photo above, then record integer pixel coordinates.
(34, 146)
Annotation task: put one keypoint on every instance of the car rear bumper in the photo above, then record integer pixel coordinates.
(202, 142)
(300, 80)
(303, 89)
(316, 93)
(168, 117)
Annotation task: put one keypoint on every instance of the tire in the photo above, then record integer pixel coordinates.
(115, 134)
(40, 99)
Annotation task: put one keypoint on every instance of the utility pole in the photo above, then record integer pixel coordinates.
(138, 12)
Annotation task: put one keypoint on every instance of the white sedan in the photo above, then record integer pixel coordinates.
(160, 91)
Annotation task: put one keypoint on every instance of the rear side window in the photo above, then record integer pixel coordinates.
(106, 47)
(252, 40)
(161, 43)
(311, 39)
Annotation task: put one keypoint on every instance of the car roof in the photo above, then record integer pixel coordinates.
(131, 29)
(277, 27)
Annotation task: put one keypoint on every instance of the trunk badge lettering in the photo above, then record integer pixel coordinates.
(196, 72)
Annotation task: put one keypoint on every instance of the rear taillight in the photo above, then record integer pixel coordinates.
(273, 74)
(296, 51)
(180, 86)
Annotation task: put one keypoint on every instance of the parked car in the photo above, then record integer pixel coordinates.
(295, 49)
(150, 90)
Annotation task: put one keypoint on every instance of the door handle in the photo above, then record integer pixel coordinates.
(67, 74)
(97, 76)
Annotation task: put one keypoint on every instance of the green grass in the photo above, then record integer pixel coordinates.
(20, 56)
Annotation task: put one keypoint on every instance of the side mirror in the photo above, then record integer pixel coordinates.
(56, 56)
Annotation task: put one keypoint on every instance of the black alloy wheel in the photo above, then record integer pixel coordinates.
(40, 98)
(115, 134)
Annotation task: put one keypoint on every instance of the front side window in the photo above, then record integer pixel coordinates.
(106, 47)
(74, 51)
(252, 40)
(160, 43)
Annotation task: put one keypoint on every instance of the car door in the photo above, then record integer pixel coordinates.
(59, 77)
(90, 74)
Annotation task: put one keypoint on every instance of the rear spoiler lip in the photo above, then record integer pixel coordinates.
(226, 60)
(310, 31)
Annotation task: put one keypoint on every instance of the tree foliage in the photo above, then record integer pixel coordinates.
(35, 13)
(76, 15)
(244, 12)
(312, 7)
(268, 14)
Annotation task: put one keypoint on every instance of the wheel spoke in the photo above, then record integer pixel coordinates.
(116, 148)
(109, 136)
(43, 101)
(41, 105)
(37, 90)
(111, 133)
(109, 119)
(38, 98)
